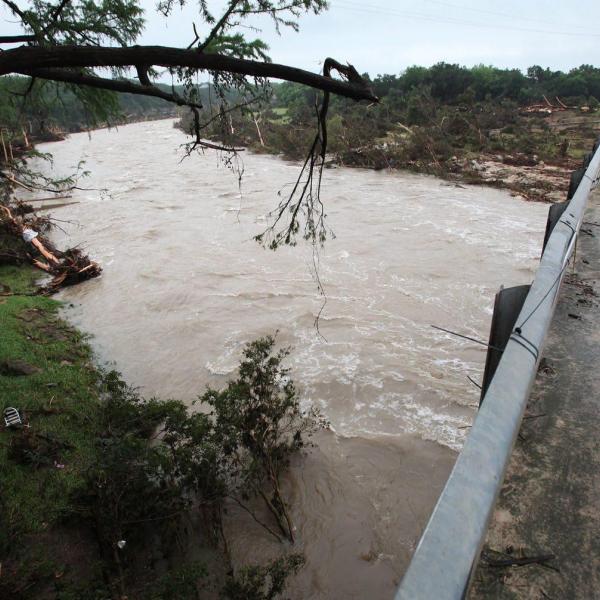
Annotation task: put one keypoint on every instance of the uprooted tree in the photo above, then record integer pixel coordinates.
(88, 46)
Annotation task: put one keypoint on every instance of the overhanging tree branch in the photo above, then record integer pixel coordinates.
(305, 197)
(15, 39)
(73, 40)
(115, 85)
(28, 59)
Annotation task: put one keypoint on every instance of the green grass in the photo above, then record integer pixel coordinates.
(282, 116)
(42, 466)
(56, 525)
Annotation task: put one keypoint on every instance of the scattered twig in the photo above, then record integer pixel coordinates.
(516, 561)
(535, 416)
(474, 382)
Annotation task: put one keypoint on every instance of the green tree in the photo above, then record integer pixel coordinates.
(259, 426)
(156, 463)
(69, 40)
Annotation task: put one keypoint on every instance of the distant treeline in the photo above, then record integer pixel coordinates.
(451, 83)
(43, 107)
(47, 106)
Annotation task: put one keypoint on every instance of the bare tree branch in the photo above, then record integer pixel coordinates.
(14, 39)
(199, 142)
(26, 59)
(305, 198)
(196, 36)
(225, 111)
(115, 85)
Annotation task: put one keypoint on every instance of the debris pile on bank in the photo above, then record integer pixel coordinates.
(24, 229)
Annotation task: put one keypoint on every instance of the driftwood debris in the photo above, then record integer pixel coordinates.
(497, 559)
(66, 268)
(520, 561)
(546, 107)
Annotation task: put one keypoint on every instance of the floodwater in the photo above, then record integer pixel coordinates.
(185, 286)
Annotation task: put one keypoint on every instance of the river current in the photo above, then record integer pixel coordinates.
(185, 286)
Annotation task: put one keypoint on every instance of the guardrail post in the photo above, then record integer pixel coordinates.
(554, 214)
(507, 306)
(576, 177)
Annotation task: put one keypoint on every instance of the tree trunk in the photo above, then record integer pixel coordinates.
(260, 137)
(29, 59)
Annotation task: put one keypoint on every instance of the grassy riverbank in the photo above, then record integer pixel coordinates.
(45, 372)
(81, 473)
(105, 494)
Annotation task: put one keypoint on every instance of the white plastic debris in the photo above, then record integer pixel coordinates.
(12, 418)
(29, 235)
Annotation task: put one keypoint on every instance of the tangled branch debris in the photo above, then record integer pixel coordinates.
(19, 222)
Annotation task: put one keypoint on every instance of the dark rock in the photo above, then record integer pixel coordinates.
(16, 368)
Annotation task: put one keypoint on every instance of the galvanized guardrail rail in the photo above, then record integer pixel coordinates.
(447, 555)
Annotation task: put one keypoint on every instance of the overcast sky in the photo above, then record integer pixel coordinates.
(386, 36)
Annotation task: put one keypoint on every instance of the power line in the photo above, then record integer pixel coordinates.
(378, 9)
(501, 14)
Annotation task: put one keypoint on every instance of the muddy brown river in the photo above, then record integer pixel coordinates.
(184, 287)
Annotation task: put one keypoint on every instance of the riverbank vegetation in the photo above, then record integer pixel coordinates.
(106, 494)
(502, 127)
(36, 110)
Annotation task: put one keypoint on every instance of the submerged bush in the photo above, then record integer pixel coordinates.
(156, 463)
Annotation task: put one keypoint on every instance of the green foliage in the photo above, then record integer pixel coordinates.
(259, 411)
(236, 45)
(448, 82)
(54, 397)
(180, 583)
(263, 582)
(259, 426)
(283, 13)
(131, 480)
(36, 105)
(452, 84)
(99, 457)
(85, 22)
(43, 466)
(41, 108)
(155, 461)
(429, 119)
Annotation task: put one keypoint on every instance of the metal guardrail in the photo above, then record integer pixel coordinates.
(447, 554)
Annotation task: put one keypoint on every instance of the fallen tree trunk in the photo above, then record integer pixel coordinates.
(66, 268)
